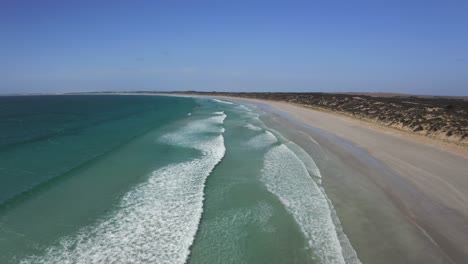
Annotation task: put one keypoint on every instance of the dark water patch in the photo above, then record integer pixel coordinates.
(54, 146)
(80, 195)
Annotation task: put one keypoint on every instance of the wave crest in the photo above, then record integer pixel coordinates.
(156, 222)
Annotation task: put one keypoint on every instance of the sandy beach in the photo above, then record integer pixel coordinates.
(401, 199)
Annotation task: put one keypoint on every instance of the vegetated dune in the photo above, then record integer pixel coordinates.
(442, 118)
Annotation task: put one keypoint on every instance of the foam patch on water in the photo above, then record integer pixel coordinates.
(155, 222)
(306, 159)
(246, 112)
(262, 140)
(251, 115)
(227, 232)
(311, 139)
(253, 127)
(233, 221)
(222, 101)
(285, 175)
(348, 251)
(190, 134)
(244, 108)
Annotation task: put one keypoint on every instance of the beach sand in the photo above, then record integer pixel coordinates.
(401, 199)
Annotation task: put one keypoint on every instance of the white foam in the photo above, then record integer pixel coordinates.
(348, 251)
(245, 108)
(253, 127)
(278, 135)
(189, 135)
(285, 175)
(155, 222)
(306, 159)
(189, 114)
(226, 233)
(222, 101)
(251, 115)
(312, 139)
(246, 112)
(262, 140)
(219, 119)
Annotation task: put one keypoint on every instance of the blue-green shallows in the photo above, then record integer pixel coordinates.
(156, 179)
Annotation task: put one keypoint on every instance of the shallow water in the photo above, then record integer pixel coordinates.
(93, 179)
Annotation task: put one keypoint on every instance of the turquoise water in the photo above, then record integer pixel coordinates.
(153, 179)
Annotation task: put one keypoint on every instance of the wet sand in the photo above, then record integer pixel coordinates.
(400, 199)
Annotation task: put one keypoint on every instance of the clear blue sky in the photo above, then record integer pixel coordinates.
(409, 46)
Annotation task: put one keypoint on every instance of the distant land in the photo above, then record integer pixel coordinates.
(438, 117)
(373, 94)
(443, 118)
(408, 95)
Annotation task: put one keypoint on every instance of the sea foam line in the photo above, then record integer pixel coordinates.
(286, 176)
(263, 140)
(244, 108)
(253, 127)
(222, 101)
(156, 222)
(309, 163)
(349, 253)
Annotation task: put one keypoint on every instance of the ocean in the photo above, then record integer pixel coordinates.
(157, 179)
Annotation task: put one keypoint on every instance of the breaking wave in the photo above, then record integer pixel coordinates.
(156, 222)
(222, 101)
(286, 176)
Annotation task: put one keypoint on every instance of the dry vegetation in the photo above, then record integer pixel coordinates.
(436, 117)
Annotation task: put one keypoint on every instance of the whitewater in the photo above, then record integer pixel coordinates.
(157, 221)
(165, 180)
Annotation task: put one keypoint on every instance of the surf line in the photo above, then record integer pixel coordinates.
(156, 221)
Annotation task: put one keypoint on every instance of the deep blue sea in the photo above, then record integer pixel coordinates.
(157, 179)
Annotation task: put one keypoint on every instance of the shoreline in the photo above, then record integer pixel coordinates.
(400, 199)
(422, 180)
(448, 146)
(440, 118)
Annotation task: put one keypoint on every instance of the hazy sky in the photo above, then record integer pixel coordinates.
(406, 46)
